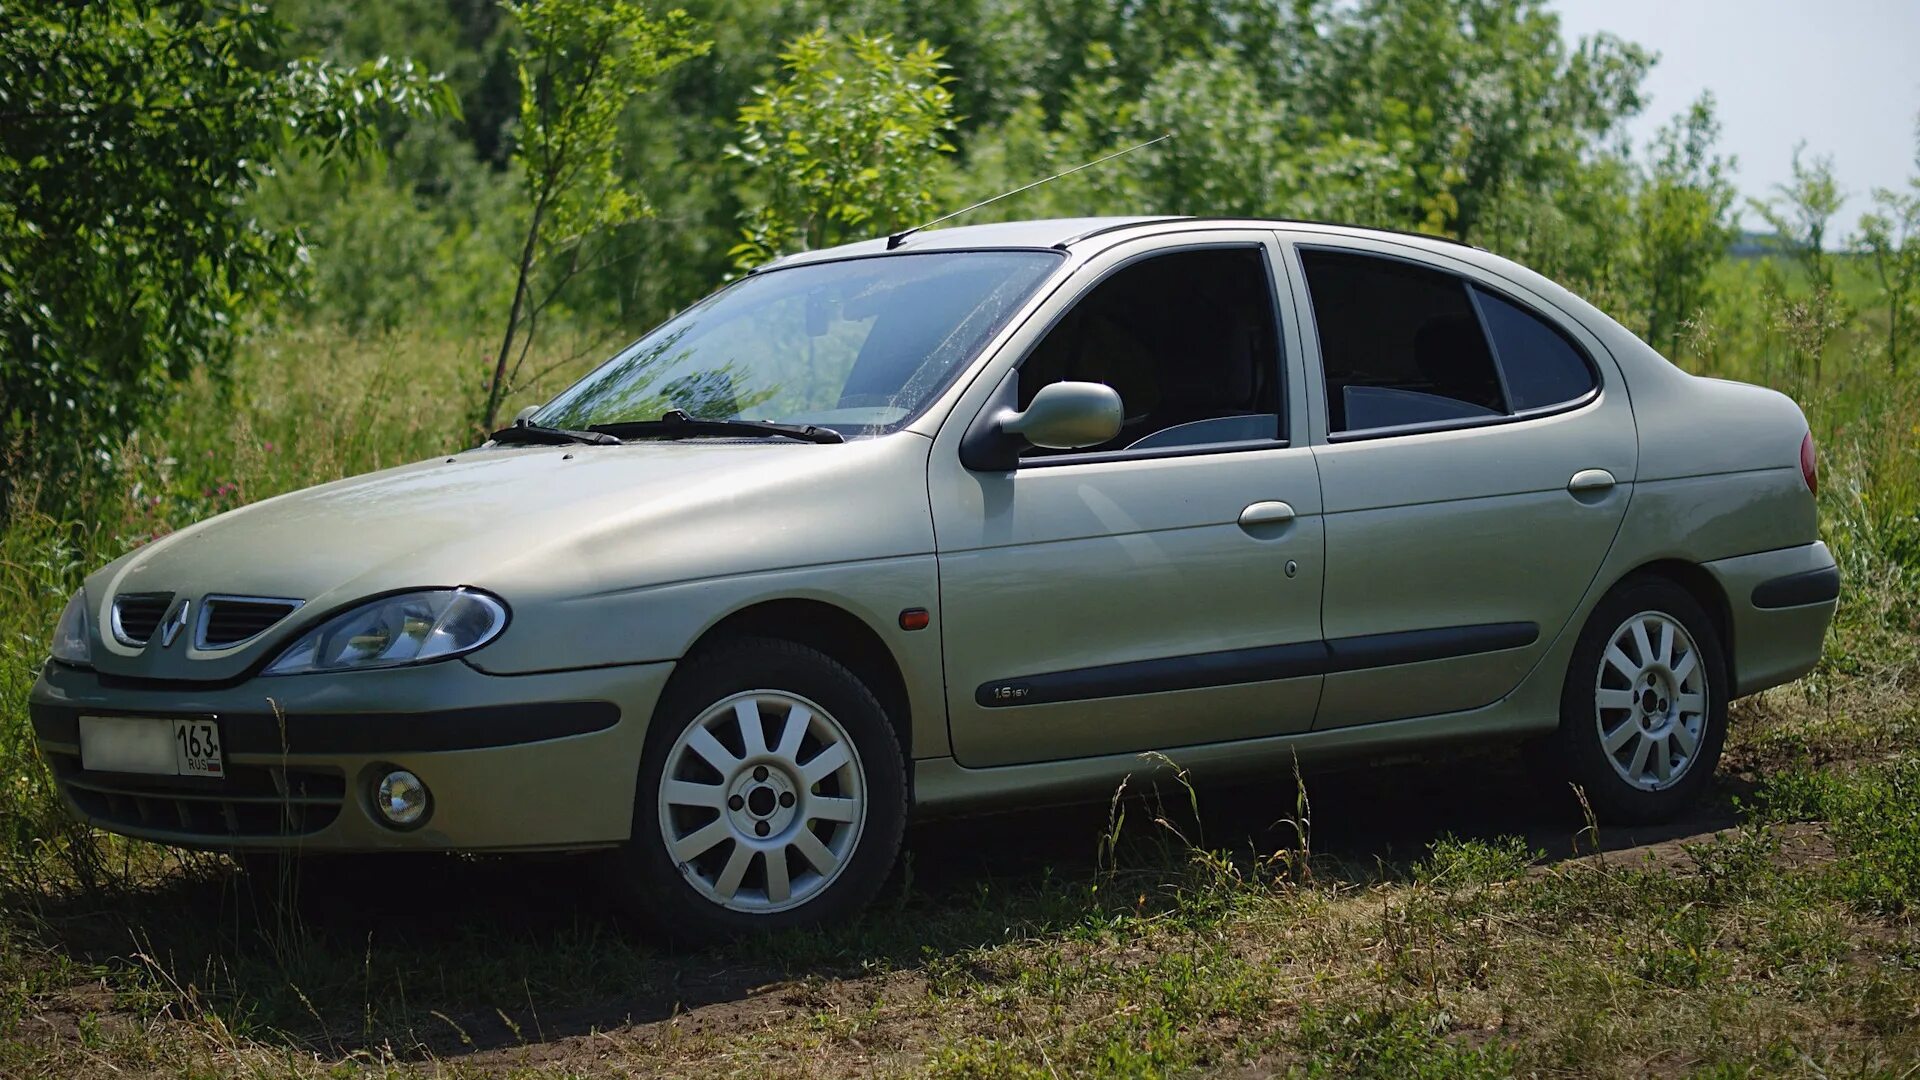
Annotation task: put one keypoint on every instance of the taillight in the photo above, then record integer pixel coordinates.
(1810, 464)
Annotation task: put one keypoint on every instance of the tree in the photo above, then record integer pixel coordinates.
(580, 64)
(1681, 211)
(845, 145)
(1800, 211)
(1229, 156)
(132, 135)
(1799, 214)
(1480, 101)
(1890, 236)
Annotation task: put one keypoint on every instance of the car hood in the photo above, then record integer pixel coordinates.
(530, 524)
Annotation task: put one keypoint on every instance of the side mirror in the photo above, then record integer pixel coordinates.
(525, 414)
(1062, 416)
(1068, 416)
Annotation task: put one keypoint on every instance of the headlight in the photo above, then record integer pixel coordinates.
(409, 629)
(72, 643)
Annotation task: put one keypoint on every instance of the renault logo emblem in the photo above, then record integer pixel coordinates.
(175, 621)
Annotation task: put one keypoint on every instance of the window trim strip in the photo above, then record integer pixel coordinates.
(1149, 453)
(1493, 347)
(1364, 434)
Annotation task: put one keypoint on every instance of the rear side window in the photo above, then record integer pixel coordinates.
(1402, 344)
(1542, 367)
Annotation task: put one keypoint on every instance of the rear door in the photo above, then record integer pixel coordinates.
(1161, 591)
(1476, 452)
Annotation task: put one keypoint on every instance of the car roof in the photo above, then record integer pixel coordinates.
(1066, 234)
(1063, 233)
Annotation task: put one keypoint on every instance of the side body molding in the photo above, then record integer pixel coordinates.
(1264, 664)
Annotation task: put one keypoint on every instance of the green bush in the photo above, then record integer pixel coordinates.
(134, 134)
(1453, 862)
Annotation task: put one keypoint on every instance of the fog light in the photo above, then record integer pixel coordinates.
(402, 799)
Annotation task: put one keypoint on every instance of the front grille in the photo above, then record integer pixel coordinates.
(230, 620)
(251, 801)
(135, 615)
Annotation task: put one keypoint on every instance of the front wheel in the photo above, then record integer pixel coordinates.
(1643, 712)
(772, 794)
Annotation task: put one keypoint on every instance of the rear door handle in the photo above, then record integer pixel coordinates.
(1590, 480)
(1265, 513)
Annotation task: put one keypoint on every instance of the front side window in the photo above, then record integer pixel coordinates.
(1188, 339)
(859, 346)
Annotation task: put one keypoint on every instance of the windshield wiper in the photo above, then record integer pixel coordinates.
(535, 435)
(676, 424)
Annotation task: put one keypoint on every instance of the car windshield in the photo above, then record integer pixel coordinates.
(858, 345)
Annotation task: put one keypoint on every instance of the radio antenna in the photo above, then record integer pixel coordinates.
(898, 238)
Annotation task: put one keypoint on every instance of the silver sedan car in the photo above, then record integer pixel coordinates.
(962, 520)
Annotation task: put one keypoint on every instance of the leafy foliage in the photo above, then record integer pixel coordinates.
(1890, 236)
(1682, 213)
(614, 161)
(581, 63)
(131, 138)
(1481, 99)
(844, 145)
(1800, 211)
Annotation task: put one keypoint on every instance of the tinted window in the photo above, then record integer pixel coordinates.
(1401, 344)
(1189, 341)
(1542, 367)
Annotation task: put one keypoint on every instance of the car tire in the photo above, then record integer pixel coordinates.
(1643, 711)
(735, 832)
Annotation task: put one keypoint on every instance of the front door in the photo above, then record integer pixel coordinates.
(1162, 590)
(1478, 455)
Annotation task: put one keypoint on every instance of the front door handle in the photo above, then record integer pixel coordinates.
(1265, 513)
(1590, 481)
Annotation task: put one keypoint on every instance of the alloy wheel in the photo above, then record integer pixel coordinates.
(1650, 701)
(761, 803)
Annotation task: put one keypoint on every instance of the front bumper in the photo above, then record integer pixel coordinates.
(524, 762)
(1780, 603)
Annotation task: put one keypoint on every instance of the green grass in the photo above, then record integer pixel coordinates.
(1397, 931)
(1873, 815)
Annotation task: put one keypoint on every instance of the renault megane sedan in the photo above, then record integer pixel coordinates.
(961, 520)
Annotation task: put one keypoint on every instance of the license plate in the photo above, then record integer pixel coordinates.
(142, 744)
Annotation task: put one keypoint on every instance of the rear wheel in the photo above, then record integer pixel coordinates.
(1643, 712)
(772, 795)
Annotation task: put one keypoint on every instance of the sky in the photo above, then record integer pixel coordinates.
(1842, 74)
